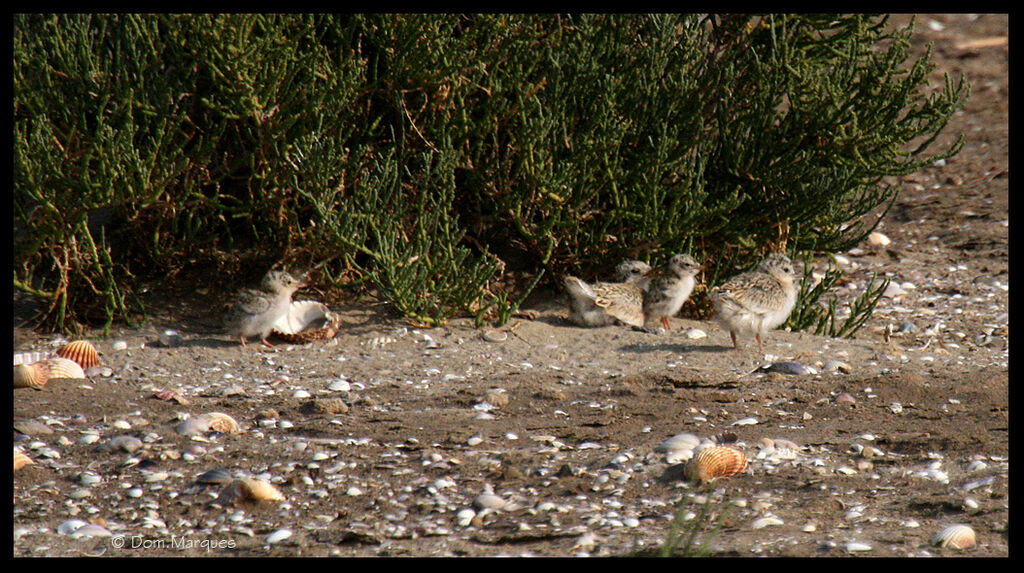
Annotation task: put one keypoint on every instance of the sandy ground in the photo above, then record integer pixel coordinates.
(382, 439)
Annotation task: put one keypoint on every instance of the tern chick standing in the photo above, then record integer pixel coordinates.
(256, 310)
(758, 301)
(666, 295)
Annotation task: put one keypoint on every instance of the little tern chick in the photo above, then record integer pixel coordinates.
(603, 303)
(666, 295)
(757, 301)
(257, 309)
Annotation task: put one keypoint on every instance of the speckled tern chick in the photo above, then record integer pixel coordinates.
(666, 295)
(257, 309)
(758, 301)
(603, 303)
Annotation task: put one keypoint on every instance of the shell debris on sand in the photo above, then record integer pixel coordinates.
(713, 462)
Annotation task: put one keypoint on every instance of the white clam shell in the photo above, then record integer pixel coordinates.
(70, 526)
(279, 535)
(306, 321)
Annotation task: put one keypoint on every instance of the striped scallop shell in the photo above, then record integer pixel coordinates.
(82, 352)
(713, 462)
(306, 321)
(21, 460)
(956, 536)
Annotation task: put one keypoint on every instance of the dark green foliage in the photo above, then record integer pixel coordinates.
(438, 155)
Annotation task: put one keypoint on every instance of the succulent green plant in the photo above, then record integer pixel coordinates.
(480, 145)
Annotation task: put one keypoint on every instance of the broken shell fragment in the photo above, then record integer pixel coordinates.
(81, 352)
(714, 462)
(956, 536)
(306, 321)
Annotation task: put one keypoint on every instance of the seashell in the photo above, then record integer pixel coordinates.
(63, 368)
(91, 530)
(82, 352)
(490, 501)
(876, 239)
(30, 357)
(306, 321)
(714, 462)
(494, 335)
(120, 443)
(193, 426)
(30, 376)
(766, 521)
(211, 422)
(169, 395)
(679, 448)
(21, 460)
(104, 371)
(223, 423)
(259, 490)
(70, 526)
(956, 536)
(248, 489)
(32, 427)
(791, 368)
(279, 535)
(214, 476)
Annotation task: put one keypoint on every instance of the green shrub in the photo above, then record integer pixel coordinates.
(476, 146)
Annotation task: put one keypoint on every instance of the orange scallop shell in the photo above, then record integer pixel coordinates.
(21, 460)
(82, 352)
(30, 376)
(714, 462)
